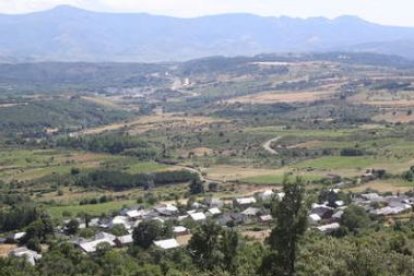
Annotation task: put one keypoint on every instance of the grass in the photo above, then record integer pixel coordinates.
(339, 162)
(277, 179)
(276, 130)
(28, 164)
(144, 167)
(92, 209)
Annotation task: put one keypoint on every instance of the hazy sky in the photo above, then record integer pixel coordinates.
(393, 12)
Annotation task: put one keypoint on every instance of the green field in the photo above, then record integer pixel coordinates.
(339, 162)
(92, 209)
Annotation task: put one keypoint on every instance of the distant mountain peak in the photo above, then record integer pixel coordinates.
(68, 33)
(66, 9)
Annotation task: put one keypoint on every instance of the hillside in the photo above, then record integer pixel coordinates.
(71, 34)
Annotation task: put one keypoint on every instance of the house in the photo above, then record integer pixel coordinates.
(166, 210)
(16, 237)
(336, 217)
(167, 244)
(266, 195)
(120, 220)
(392, 209)
(160, 220)
(181, 218)
(94, 222)
(323, 211)
(372, 197)
(90, 246)
(197, 205)
(339, 203)
(231, 219)
(213, 202)
(265, 218)
(198, 216)
(328, 228)
(314, 219)
(214, 211)
(124, 240)
(22, 252)
(244, 201)
(134, 214)
(180, 231)
(251, 212)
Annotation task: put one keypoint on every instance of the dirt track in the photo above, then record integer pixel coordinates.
(267, 145)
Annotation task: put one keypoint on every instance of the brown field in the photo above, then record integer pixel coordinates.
(200, 151)
(390, 103)
(146, 123)
(280, 97)
(309, 144)
(102, 101)
(383, 186)
(229, 173)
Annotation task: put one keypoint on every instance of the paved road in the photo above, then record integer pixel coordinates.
(267, 145)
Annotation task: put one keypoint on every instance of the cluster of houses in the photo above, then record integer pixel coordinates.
(324, 217)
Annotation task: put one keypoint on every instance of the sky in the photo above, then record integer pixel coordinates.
(387, 12)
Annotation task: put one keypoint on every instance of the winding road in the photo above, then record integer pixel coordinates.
(267, 145)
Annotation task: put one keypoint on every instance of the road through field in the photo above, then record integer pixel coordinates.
(267, 145)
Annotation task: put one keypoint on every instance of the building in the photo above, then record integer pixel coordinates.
(314, 219)
(251, 212)
(328, 228)
(22, 252)
(124, 240)
(198, 216)
(180, 231)
(167, 244)
(214, 211)
(90, 246)
(244, 201)
(213, 202)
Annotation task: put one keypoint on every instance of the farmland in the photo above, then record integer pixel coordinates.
(249, 124)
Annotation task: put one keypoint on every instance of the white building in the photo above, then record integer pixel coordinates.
(167, 244)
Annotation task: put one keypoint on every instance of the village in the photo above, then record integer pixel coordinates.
(249, 212)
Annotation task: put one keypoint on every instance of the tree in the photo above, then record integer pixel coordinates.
(229, 246)
(354, 218)
(72, 227)
(196, 187)
(119, 230)
(146, 233)
(39, 229)
(204, 245)
(291, 224)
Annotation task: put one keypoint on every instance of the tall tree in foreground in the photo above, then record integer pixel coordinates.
(291, 223)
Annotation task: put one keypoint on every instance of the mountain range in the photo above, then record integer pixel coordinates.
(66, 33)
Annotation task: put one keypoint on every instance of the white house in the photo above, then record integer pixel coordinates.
(328, 228)
(198, 216)
(245, 201)
(180, 230)
(214, 211)
(22, 252)
(124, 240)
(314, 218)
(167, 244)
